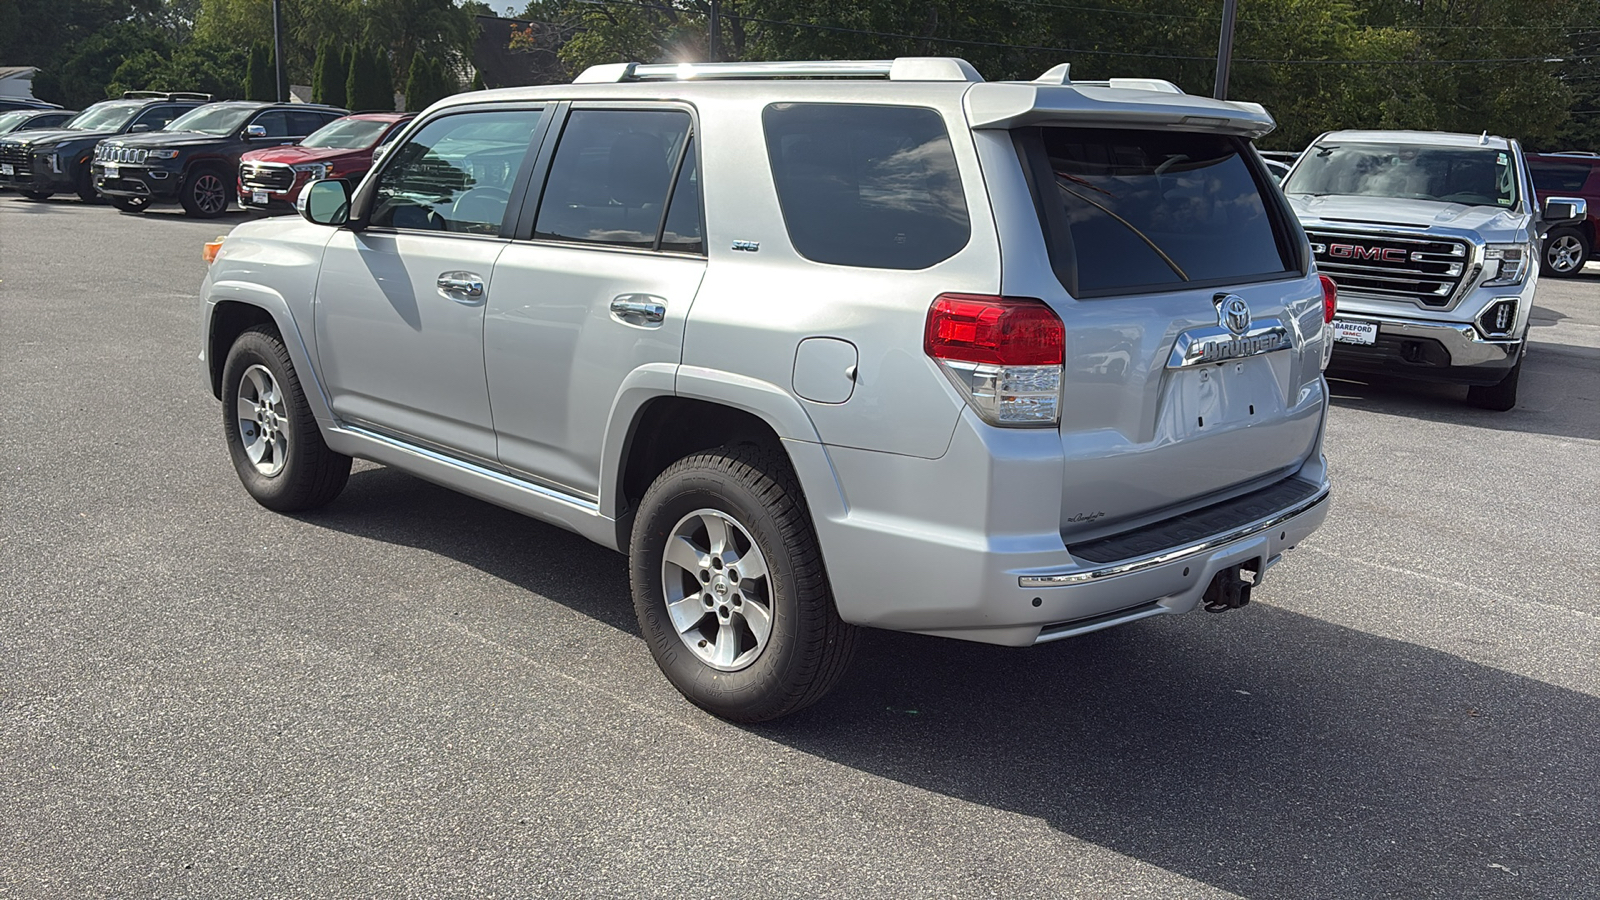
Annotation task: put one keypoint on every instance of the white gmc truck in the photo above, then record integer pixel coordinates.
(1433, 240)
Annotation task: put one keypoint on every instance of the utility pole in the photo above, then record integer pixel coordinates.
(1230, 11)
(277, 49)
(714, 33)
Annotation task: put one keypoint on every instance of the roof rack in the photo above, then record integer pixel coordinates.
(905, 68)
(165, 95)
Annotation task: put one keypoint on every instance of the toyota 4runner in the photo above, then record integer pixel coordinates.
(1007, 362)
(1433, 240)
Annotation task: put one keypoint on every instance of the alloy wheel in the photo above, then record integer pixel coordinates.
(209, 194)
(263, 421)
(718, 590)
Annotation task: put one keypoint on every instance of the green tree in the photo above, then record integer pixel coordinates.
(369, 86)
(258, 78)
(195, 66)
(477, 80)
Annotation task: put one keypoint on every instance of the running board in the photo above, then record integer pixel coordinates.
(576, 514)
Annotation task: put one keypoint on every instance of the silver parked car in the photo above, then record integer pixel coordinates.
(895, 347)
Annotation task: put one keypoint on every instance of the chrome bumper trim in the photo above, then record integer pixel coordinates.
(1461, 340)
(1141, 563)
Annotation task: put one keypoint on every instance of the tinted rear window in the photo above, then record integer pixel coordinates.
(1549, 175)
(1155, 210)
(872, 186)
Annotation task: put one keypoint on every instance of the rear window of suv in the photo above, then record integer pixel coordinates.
(1554, 175)
(865, 185)
(1129, 210)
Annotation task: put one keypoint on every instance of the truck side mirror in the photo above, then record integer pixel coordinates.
(326, 202)
(139, 129)
(252, 132)
(1564, 209)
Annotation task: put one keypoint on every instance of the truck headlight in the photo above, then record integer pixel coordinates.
(1505, 264)
(162, 154)
(314, 170)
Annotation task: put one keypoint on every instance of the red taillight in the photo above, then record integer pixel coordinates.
(1330, 298)
(1001, 331)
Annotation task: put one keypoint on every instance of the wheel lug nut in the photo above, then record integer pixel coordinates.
(738, 601)
(705, 576)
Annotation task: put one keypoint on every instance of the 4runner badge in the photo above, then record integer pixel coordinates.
(1235, 336)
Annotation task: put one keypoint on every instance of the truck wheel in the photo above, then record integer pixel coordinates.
(729, 586)
(272, 435)
(205, 194)
(38, 195)
(1565, 252)
(1499, 397)
(130, 204)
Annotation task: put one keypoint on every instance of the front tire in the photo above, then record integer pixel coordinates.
(83, 185)
(729, 586)
(272, 435)
(205, 194)
(1565, 252)
(1498, 397)
(38, 195)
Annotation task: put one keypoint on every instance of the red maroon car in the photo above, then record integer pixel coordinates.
(271, 178)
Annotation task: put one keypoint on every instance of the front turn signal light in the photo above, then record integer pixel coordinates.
(211, 249)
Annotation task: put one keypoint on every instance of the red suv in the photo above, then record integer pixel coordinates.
(1575, 174)
(271, 178)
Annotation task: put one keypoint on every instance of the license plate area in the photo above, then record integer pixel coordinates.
(1346, 331)
(111, 170)
(258, 197)
(5, 169)
(1234, 394)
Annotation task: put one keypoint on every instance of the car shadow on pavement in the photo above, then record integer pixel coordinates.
(1559, 396)
(1267, 753)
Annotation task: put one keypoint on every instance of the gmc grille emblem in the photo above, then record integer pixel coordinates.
(1356, 251)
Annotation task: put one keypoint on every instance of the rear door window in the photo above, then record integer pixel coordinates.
(1549, 175)
(609, 181)
(863, 185)
(275, 121)
(1129, 210)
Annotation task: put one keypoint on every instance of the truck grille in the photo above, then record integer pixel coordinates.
(266, 176)
(107, 153)
(1427, 271)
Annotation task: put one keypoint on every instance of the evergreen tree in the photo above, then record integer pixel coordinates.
(369, 86)
(477, 80)
(258, 77)
(445, 80)
(318, 67)
(419, 90)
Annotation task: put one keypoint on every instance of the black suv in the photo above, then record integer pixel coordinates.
(195, 160)
(41, 163)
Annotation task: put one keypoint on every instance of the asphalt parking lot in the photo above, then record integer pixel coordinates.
(412, 693)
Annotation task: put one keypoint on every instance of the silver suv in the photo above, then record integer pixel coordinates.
(817, 345)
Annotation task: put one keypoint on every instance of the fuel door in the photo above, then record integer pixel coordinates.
(825, 370)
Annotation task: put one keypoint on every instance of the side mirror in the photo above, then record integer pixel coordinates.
(379, 152)
(139, 129)
(1564, 209)
(252, 132)
(326, 202)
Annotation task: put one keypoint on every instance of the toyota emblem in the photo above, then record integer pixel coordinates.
(1233, 313)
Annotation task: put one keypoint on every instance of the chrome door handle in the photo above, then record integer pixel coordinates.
(639, 309)
(462, 287)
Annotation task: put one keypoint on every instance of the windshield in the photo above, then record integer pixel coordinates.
(1470, 175)
(346, 134)
(213, 119)
(11, 119)
(103, 117)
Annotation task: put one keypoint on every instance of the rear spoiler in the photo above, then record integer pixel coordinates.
(1121, 102)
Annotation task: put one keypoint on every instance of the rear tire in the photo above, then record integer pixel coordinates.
(205, 193)
(272, 434)
(747, 646)
(1564, 252)
(38, 195)
(1498, 397)
(130, 204)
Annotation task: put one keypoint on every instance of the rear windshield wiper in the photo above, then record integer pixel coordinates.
(1171, 264)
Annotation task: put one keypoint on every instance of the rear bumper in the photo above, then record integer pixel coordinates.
(1436, 351)
(997, 570)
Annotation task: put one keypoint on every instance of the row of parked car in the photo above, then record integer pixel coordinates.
(156, 147)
